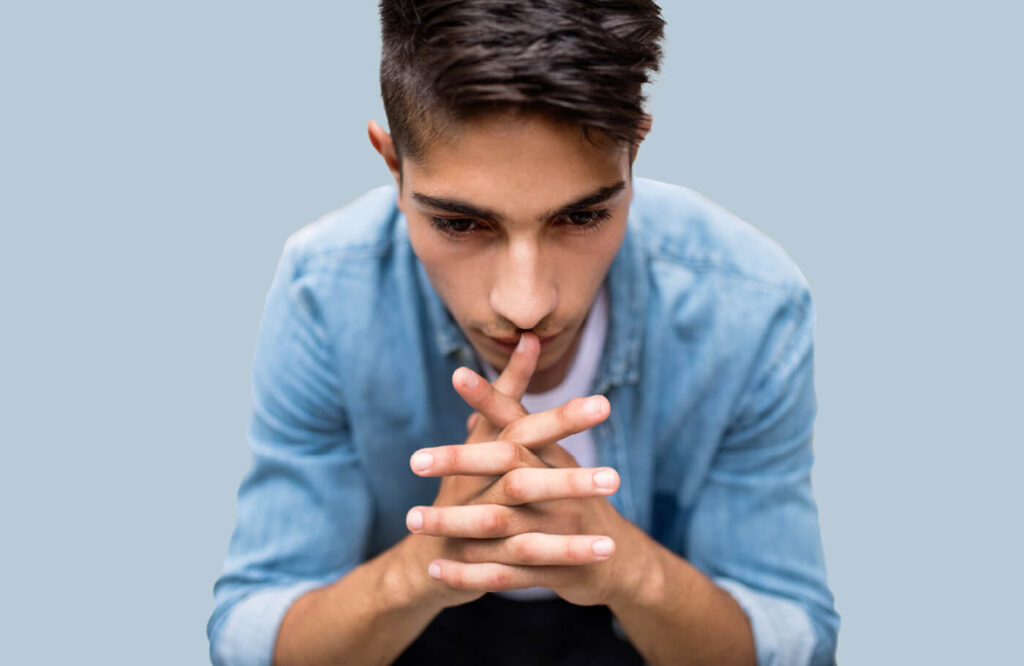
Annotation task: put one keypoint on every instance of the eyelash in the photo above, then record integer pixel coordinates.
(444, 224)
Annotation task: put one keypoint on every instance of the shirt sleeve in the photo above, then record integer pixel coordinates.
(754, 530)
(304, 506)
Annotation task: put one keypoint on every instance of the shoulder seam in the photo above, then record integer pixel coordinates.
(306, 260)
(658, 251)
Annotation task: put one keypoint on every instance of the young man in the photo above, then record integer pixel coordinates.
(632, 363)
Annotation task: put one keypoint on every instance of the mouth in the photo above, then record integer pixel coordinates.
(508, 345)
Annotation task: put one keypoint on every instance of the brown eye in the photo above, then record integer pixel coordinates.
(460, 226)
(583, 218)
(587, 220)
(456, 228)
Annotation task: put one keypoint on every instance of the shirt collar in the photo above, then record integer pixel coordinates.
(627, 291)
(446, 332)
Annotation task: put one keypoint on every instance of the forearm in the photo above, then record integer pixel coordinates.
(674, 614)
(369, 616)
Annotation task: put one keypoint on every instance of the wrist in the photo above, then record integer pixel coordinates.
(404, 580)
(640, 577)
(408, 581)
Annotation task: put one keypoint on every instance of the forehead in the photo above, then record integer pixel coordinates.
(508, 160)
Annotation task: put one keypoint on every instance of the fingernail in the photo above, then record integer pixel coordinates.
(592, 406)
(521, 347)
(422, 461)
(603, 547)
(414, 520)
(605, 478)
(434, 570)
(469, 379)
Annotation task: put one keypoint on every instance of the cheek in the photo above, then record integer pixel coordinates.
(454, 272)
(612, 241)
(584, 267)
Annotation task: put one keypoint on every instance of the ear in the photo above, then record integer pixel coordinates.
(382, 143)
(641, 133)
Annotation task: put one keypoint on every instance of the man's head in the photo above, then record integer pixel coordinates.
(514, 125)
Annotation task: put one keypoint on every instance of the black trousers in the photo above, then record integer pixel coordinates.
(497, 631)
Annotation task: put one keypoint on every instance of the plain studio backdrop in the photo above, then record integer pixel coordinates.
(155, 156)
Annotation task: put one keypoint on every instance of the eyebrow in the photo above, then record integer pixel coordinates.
(465, 208)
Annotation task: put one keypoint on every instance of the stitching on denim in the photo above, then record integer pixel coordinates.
(803, 330)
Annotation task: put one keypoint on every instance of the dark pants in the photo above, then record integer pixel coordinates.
(497, 631)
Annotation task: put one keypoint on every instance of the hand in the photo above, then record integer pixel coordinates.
(519, 511)
(455, 490)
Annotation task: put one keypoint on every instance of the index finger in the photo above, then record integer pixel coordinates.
(537, 431)
(515, 378)
(499, 401)
(497, 408)
(482, 459)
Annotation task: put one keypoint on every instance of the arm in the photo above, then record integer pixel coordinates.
(304, 508)
(369, 616)
(755, 528)
(674, 614)
(753, 541)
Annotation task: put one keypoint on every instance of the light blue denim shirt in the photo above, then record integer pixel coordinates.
(708, 365)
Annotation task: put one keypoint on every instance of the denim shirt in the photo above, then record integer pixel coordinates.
(707, 364)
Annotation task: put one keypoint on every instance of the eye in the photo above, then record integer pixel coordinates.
(454, 227)
(587, 220)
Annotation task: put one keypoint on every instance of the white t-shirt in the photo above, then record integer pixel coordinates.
(576, 384)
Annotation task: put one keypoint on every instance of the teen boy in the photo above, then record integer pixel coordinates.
(636, 366)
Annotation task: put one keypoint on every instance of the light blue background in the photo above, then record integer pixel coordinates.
(154, 158)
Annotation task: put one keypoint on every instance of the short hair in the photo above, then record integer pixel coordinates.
(580, 61)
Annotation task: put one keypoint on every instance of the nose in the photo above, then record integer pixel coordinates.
(523, 290)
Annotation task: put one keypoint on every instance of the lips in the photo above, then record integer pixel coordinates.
(545, 341)
(509, 344)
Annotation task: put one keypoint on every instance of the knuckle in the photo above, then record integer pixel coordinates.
(501, 578)
(566, 413)
(489, 398)
(518, 429)
(574, 483)
(447, 457)
(518, 454)
(515, 485)
(507, 454)
(493, 522)
(523, 551)
(512, 431)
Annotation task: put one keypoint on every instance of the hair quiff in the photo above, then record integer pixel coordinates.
(581, 61)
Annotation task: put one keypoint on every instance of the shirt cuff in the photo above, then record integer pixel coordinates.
(248, 633)
(783, 634)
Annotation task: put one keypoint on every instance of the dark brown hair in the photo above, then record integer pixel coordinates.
(581, 61)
